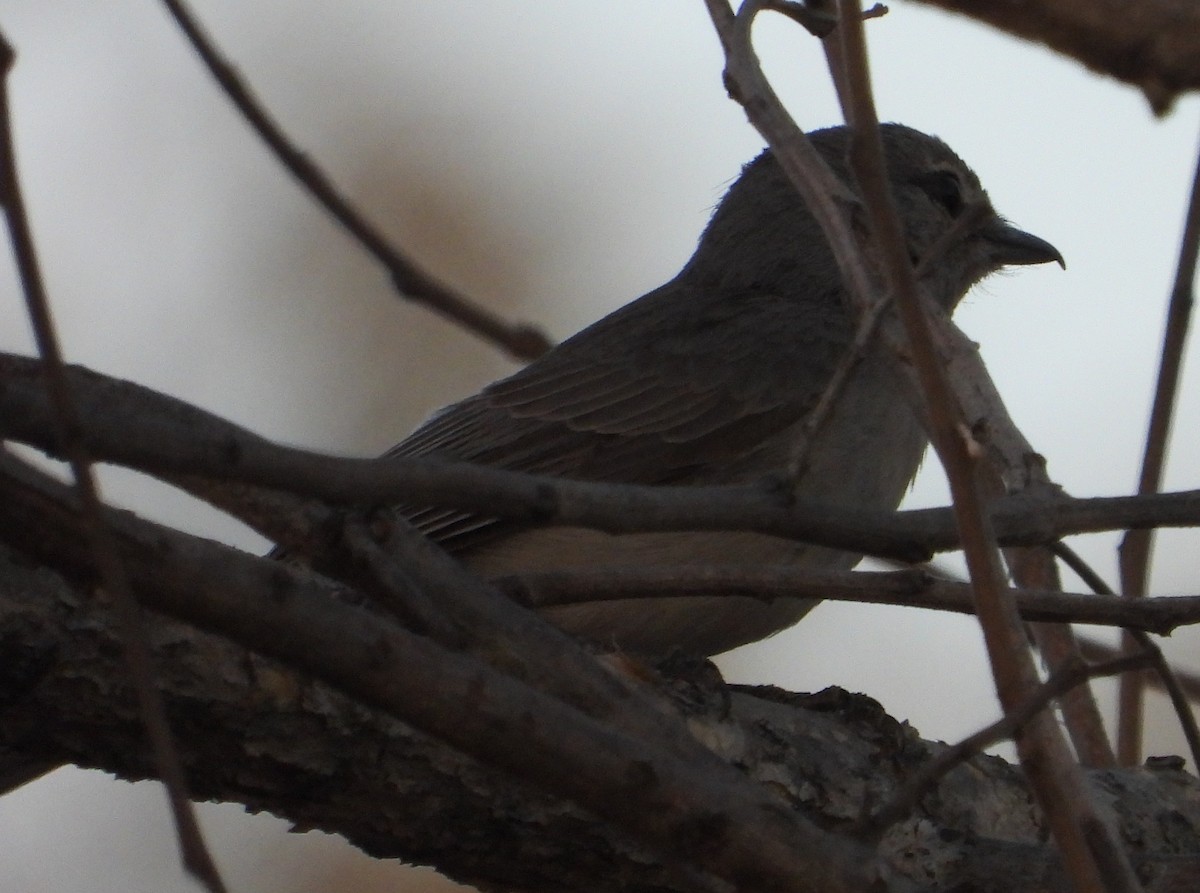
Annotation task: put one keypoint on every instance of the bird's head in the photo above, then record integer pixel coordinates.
(954, 235)
(762, 233)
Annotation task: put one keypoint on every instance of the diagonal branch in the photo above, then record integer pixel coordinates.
(1066, 676)
(520, 341)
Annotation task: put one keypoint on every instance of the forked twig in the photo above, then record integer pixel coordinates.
(1189, 683)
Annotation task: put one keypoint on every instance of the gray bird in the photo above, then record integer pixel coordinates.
(707, 380)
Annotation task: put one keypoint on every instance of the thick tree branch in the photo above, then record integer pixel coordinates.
(1151, 44)
(257, 732)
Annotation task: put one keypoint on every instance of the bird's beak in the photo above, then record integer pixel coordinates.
(1015, 247)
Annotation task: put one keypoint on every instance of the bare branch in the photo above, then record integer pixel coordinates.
(132, 425)
(65, 415)
(1135, 548)
(666, 789)
(1150, 44)
(1093, 854)
(1188, 684)
(1164, 674)
(910, 588)
(1067, 676)
(521, 341)
(262, 734)
(1035, 568)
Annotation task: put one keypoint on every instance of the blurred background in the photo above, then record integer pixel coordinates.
(553, 161)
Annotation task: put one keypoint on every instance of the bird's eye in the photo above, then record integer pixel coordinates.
(944, 188)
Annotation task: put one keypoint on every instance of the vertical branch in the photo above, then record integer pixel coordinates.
(1090, 848)
(1035, 569)
(99, 538)
(1135, 549)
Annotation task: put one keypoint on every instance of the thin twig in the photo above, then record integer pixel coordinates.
(1188, 683)
(907, 588)
(521, 341)
(1080, 568)
(397, 590)
(196, 858)
(1166, 675)
(1171, 685)
(813, 17)
(1134, 551)
(815, 420)
(1067, 676)
(868, 322)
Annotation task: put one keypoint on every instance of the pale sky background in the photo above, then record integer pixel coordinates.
(555, 160)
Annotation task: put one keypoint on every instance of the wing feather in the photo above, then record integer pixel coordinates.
(632, 400)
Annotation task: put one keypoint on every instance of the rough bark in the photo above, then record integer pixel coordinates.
(254, 732)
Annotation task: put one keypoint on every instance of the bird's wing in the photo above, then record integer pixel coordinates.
(642, 397)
